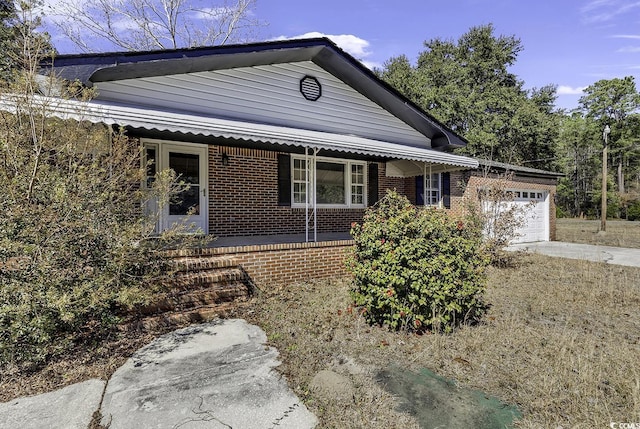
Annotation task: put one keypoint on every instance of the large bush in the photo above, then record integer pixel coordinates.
(417, 269)
(75, 245)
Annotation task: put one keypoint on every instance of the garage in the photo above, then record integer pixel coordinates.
(534, 208)
(529, 192)
(528, 206)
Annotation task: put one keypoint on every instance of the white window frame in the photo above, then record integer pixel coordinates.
(428, 189)
(347, 182)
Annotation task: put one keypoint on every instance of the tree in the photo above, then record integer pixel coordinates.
(467, 85)
(139, 25)
(613, 102)
(579, 158)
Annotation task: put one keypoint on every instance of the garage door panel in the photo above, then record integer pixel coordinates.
(533, 206)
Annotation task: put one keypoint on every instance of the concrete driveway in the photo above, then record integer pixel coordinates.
(587, 252)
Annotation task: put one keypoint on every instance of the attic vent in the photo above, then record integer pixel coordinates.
(310, 88)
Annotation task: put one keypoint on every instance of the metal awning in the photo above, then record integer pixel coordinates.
(185, 122)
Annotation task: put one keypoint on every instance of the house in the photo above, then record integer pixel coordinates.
(284, 145)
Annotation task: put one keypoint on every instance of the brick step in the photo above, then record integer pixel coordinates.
(201, 263)
(200, 279)
(182, 300)
(183, 318)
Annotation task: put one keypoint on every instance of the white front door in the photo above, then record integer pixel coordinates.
(189, 162)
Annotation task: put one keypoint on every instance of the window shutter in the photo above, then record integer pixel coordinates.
(372, 194)
(446, 190)
(284, 180)
(419, 190)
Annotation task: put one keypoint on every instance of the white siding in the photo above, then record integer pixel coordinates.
(267, 94)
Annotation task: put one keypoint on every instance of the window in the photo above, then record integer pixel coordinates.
(151, 161)
(432, 187)
(330, 183)
(428, 190)
(357, 184)
(339, 183)
(299, 181)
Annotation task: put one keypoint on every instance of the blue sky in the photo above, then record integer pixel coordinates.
(569, 43)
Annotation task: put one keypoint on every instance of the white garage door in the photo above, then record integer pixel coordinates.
(534, 207)
(536, 213)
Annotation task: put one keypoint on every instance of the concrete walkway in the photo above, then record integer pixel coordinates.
(214, 375)
(587, 252)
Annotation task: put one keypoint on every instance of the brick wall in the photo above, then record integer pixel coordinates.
(276, 264)
(244, 198)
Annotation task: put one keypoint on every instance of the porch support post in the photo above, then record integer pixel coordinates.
(315, 214)
(307, 170)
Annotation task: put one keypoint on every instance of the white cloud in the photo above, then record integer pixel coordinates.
(598, 11)
(568, 90)
(629, 50)
(354, 45)
(626, 36)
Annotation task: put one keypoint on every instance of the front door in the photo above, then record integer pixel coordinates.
(189, 162)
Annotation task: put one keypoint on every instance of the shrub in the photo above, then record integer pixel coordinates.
(416, 269)
(633, 211)
(75, 245)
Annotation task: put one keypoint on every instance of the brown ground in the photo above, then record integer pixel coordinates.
(561, 340)
(619, 233)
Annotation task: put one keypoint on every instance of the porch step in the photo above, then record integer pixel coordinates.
(195, 263)
(190, 299)
(199, 288)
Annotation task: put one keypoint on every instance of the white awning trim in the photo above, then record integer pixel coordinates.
(150, 119)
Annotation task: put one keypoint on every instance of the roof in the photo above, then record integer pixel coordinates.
(103, 67)
(521, 171)
(177, 122)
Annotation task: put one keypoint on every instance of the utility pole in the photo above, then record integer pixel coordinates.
(603, 220)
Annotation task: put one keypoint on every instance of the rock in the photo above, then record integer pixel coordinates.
(71, 407)
(215, 375)
(330, 384)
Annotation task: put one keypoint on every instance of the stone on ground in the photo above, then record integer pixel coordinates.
(215, 375)
(69, 408)
(330, 384)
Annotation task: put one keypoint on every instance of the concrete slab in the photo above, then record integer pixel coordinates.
(587, 252)
(69, 408)
(214, 375)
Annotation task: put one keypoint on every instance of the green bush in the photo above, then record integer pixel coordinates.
(633, 211)
(417, 269)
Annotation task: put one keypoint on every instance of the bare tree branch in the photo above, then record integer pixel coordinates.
(99, 25)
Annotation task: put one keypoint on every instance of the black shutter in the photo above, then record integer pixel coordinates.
(446, 190)
(372, 195)
(284, 180)
(419, 190)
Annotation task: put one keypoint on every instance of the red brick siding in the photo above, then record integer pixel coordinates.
(275, 264)
(244, 198)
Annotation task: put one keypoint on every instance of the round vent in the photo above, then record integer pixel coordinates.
(310, 88)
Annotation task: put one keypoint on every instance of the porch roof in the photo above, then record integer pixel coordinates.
(189, 123)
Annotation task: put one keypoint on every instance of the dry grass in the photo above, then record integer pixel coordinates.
(620, 233)
(561, 341)
(79, 364)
